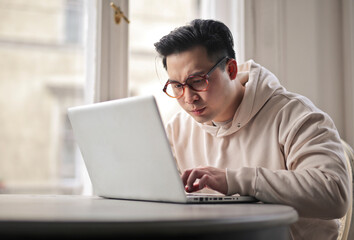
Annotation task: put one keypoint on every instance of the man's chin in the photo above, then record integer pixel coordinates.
(200, 119)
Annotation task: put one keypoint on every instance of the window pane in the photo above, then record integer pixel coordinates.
(150, 20)
(42, 73)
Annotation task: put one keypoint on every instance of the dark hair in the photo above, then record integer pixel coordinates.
(213, 35)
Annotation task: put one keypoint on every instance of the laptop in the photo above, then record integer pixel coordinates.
(127, 153)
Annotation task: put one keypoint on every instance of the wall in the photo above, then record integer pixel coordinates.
(309, 46)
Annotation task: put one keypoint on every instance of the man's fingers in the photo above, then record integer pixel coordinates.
(190, 173)
(204, 181)
(201, 177)
(185, 176)
(195, 174)
(194, 188)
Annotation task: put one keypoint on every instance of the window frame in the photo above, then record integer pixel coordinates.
(109, 73)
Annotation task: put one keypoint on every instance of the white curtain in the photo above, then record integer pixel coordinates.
(231, 13)
(312, 55)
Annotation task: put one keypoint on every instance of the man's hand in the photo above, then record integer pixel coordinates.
(210, 177)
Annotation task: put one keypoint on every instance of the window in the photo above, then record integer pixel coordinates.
(44, 52)
(148, 25)
(42, 74)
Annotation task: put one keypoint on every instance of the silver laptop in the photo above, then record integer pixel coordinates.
(127, 153)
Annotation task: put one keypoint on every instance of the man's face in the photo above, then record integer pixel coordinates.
(218, 102)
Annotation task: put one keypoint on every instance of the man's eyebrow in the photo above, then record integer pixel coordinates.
(173, 81)
(190, 75)
(196, 73)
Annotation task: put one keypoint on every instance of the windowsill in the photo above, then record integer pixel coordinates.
(64, 187)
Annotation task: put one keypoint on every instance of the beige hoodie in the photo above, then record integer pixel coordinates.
(279, 148)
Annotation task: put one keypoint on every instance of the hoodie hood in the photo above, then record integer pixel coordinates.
(260, 85)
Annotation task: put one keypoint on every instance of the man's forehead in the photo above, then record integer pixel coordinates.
(196, 55)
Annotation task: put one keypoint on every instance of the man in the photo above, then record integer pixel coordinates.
(242, 132)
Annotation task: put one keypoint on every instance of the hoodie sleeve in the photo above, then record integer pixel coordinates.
(316, 182)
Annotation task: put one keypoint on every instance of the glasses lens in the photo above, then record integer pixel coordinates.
(174, 89)
(198, 83)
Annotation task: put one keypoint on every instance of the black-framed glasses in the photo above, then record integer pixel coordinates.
(198, 83)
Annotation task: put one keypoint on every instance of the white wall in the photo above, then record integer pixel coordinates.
(309, 46)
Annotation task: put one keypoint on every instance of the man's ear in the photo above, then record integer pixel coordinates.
(232, 68)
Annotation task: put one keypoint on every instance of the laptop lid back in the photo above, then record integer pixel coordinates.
(126, 150)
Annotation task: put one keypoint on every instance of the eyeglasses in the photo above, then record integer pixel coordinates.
(198, 83)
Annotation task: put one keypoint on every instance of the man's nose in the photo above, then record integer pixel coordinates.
(190, 96)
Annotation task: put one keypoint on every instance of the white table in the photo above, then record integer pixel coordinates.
(34, 216)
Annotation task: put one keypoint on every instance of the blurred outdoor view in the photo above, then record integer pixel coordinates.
(42, 73)
(151, 20)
